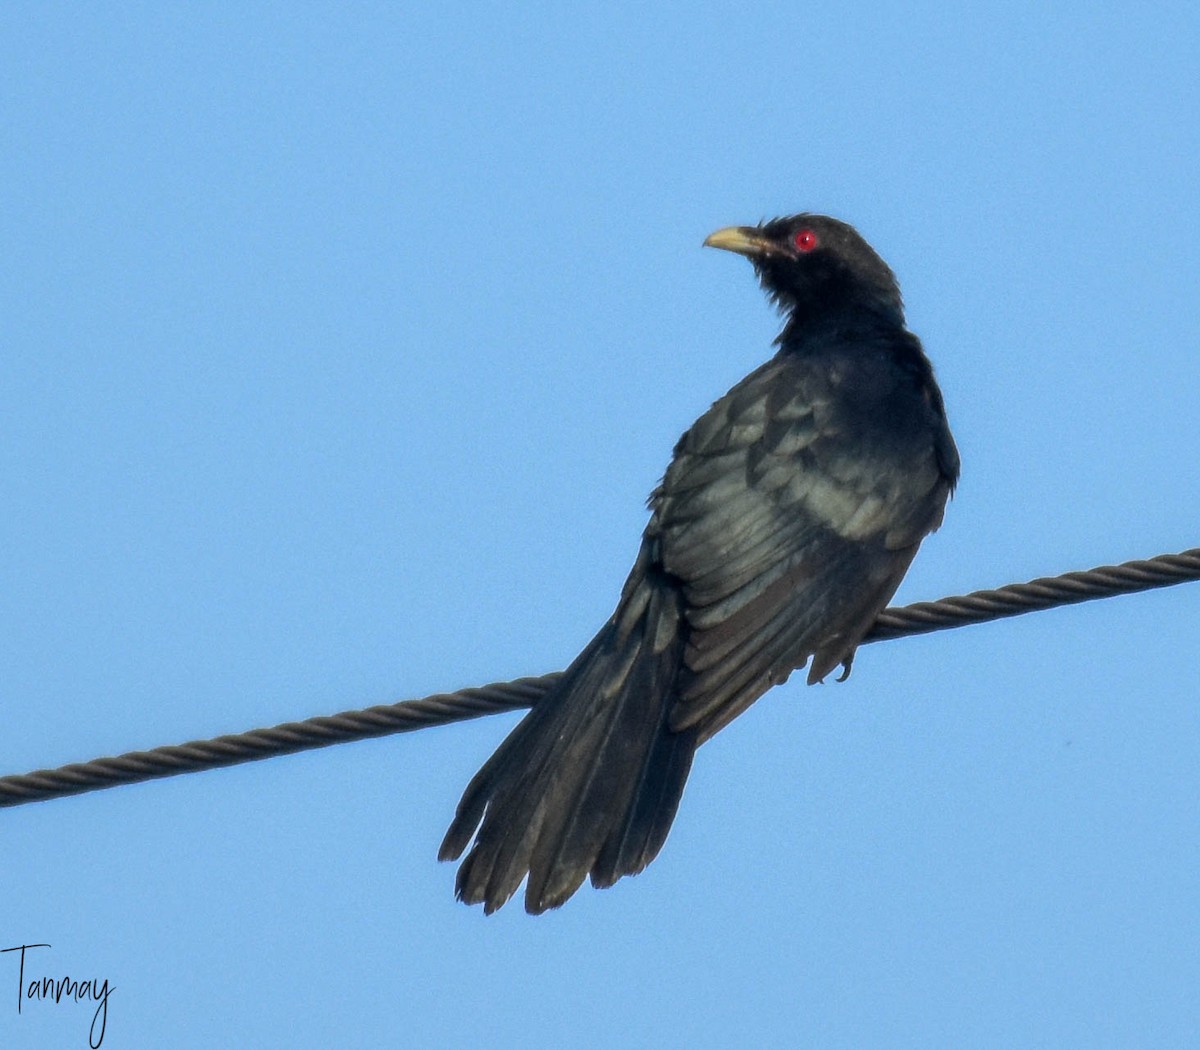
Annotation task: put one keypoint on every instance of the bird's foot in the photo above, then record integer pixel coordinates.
(846, 663)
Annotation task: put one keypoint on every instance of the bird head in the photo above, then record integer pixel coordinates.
(813, 266)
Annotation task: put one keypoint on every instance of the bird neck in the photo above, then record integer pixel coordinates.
(809, 320)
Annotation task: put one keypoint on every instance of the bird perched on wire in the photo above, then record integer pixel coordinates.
(785, 521)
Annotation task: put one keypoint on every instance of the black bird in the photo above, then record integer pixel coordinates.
(788, 515)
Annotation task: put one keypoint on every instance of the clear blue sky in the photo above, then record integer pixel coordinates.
(342, 344)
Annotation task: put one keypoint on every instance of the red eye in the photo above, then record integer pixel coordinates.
(805, 240)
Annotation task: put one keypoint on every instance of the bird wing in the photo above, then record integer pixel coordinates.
(790, 513)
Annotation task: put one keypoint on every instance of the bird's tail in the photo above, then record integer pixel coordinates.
(589, 781)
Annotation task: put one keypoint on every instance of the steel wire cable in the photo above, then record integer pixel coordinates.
(443, 708)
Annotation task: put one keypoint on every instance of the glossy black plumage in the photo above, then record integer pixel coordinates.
(783, 525)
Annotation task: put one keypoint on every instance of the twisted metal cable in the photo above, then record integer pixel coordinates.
(443, 708)
(1047, 592)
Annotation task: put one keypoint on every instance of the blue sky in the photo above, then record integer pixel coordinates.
(342, 345)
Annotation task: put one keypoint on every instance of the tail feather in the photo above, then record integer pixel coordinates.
(515, 782)
(590, 780)
(570, 842)
(657, 796)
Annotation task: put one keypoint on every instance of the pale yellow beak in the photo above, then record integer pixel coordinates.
(745, 240)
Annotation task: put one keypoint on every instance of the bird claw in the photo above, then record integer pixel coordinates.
(845, 668)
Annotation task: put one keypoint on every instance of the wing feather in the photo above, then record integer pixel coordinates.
(789, 514)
